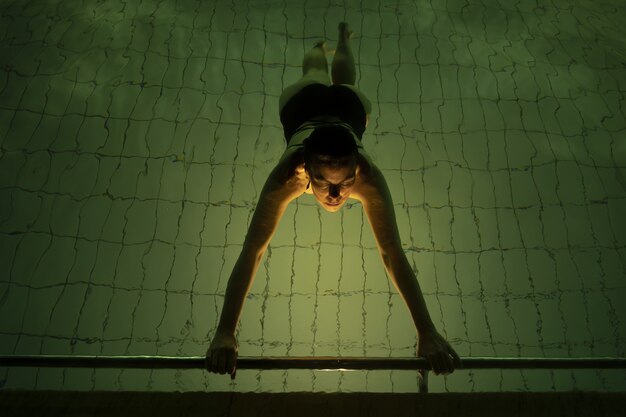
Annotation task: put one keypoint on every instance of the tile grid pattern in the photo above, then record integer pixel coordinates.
(136, 137)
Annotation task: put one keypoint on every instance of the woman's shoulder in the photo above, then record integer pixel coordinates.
(365, 164)
(367, 178)
(290, 169)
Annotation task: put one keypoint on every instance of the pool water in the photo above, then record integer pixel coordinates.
(135, 137)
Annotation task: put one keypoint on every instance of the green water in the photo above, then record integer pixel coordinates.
(136, 137)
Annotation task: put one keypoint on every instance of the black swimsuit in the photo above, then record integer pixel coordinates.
(322, 100)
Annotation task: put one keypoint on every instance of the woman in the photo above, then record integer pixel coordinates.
(323, 125)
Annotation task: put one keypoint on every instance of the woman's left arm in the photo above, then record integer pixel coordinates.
(378, 205)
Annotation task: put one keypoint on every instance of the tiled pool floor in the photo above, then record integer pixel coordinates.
(135, 137)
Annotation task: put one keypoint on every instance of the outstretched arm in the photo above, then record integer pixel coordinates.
(378, 207)
(274, 198)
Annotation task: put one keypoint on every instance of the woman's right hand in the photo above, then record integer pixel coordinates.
(221, 357)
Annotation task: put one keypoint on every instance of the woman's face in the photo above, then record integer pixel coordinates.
(332, 180)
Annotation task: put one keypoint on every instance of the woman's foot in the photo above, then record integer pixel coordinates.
(322, 45)
(344, 32)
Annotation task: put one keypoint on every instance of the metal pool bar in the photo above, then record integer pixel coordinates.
(319, 363)
(302, 362)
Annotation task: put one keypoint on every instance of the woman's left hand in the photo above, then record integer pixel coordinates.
(438, 352)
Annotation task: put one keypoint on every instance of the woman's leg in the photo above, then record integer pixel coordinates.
(315, 60)
(314, 70)
(343, 70)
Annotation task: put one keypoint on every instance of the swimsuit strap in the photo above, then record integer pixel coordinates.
(314, 124)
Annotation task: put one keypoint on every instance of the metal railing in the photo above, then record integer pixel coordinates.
(313, 363)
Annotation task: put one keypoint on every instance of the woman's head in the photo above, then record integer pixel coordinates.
(330, 159)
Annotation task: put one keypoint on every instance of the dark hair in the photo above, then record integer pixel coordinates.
(334, 141)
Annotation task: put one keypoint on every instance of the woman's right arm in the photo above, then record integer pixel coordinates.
(277, 192)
